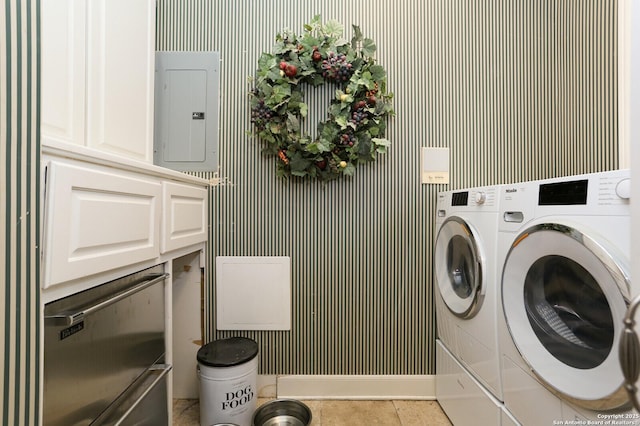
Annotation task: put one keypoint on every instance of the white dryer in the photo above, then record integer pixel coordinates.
(564, 249)
(465, 401)
(466, 281)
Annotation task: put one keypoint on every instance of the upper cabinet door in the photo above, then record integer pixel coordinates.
(98, 75)
(120, 71)
(63, 71)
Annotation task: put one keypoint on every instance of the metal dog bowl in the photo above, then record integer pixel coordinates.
(282, 412)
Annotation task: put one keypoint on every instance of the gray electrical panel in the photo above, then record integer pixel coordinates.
(187, 87)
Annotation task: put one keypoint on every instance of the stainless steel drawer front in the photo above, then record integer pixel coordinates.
(144, 403)
(93, 357)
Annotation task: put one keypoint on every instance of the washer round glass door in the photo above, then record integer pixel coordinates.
(564, 298)
(458, 266)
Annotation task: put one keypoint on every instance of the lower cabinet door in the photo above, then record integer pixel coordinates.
(184, 218)
(97, 219)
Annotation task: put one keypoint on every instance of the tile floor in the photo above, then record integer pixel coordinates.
(186, 412)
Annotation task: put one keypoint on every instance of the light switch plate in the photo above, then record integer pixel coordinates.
(434, 165)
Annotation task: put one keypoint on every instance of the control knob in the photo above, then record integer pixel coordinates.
(623, 189)
(481, 197)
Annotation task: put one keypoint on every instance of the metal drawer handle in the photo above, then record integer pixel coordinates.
(630, 353)
(70, 318)
(122, 403)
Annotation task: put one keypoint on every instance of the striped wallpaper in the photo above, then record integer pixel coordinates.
(516, 89)
(19, 214)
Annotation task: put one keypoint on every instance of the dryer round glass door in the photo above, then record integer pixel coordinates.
(458, 267)
(564, 298)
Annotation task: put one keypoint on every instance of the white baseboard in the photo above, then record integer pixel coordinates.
(267, 385)
(357, 387)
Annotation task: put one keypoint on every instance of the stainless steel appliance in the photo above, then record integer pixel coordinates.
(104, 354)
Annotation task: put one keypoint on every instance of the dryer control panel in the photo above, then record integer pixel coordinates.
(563, 193)
(475, 197)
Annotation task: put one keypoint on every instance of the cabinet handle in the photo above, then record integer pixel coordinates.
(630, 353)
(70, 318)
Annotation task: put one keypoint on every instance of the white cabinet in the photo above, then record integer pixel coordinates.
(63, 70)
(97, 219)
(120, 70)
(103, 219)
(184, 218)
(97, 75)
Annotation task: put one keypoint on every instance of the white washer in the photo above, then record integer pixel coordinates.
(466, 282)
(564, 245)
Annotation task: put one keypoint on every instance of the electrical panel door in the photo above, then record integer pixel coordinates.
(187, 110)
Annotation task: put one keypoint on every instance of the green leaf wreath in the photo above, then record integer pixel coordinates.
(356, 124)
